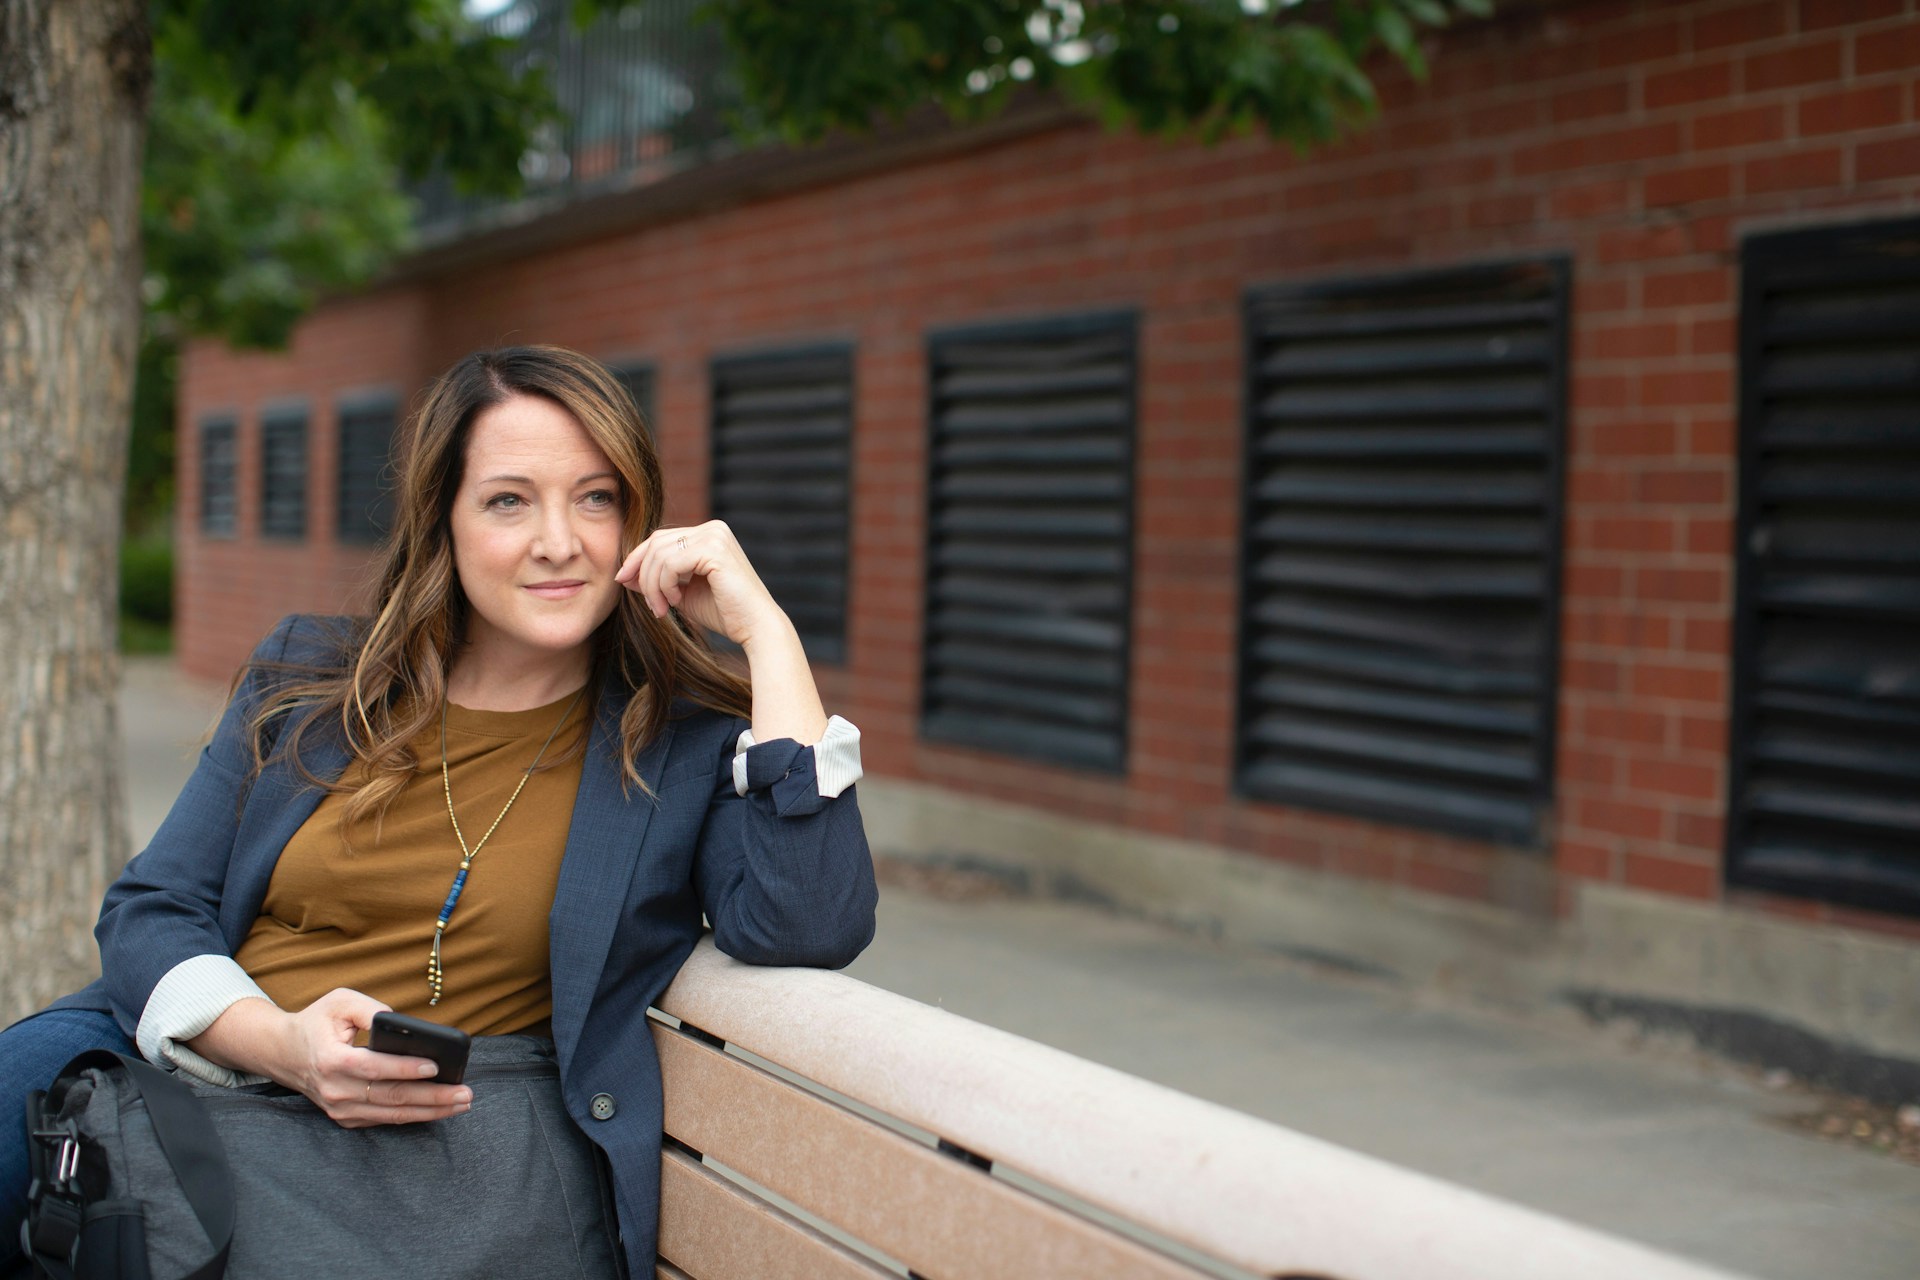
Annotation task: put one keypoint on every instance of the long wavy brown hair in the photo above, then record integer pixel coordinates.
(390, 679)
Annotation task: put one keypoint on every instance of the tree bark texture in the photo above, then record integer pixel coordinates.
(74, 81)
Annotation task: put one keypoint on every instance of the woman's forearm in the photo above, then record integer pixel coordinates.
(251, 1036)
(786, 704)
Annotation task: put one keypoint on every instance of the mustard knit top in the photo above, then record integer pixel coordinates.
(359, 913)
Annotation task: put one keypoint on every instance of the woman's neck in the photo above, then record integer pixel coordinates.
(484, 679)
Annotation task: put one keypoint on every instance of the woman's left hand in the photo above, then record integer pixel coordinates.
(702, 572)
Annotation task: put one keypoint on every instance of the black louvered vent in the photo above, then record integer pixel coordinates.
(283, 473)
(219, 507)
(1400, 581)
(1029, 537)
(1825, 743)
(366, 451)
(638, 380)
(782, 468)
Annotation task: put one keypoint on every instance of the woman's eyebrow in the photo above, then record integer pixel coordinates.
(598, 475)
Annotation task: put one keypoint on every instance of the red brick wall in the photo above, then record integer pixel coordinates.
(1644, 139)
(229, 591)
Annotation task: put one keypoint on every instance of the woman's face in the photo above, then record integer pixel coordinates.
(537, 533)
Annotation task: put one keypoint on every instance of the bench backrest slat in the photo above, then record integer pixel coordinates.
(1254, 1195)
(937, 1214)
(712, 1229)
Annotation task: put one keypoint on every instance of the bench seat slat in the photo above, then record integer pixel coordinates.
(711, 1229)
(912, 1203)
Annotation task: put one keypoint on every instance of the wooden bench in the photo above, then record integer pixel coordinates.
(822, 1129)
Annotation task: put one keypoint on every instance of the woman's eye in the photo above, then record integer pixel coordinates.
(601, 500)
(504, 502)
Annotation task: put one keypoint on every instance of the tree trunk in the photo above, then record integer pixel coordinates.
(74, 79)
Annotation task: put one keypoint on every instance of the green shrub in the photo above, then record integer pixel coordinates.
(146, 581)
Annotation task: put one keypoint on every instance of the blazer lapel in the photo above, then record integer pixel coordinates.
(603, 848)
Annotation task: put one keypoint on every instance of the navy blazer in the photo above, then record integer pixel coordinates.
(783, 875)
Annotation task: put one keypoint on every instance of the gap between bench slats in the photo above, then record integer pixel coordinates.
(936, 1214)
(711, 1229)
(1263, 1198)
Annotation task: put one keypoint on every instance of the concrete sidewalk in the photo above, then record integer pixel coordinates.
(1656, 1144)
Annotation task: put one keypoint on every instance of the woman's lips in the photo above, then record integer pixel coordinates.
(560, 590)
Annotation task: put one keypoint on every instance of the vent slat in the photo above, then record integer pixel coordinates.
(1387, 399)
(1826, 425)
(745, 438)
(1510, 536)
(1823, 771)
(1422, 443)
(770, 460)
(1076, 633)
(1025, 664)
(1860, 714)
(1815, 752)
(1093, 711)
(733, 495)
(1002, 734)
(1029, 527)
(1038, 522)
(1411, 708)
(1103, 414)
(1875, 813)
(1311, 319)
(1403, 502)
(1401, 489)
(1033, 558)
(1442, 352)
(1838, 373)
(1050, 383)
(1410, 671)
(1816, 317)
(1404, 579)
(1872, 594)
(1394, 750)
(1446, 805)
(1454, 635)
(782, 449)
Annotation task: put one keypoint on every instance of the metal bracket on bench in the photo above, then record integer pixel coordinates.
(959, 1152)
(704, 1037)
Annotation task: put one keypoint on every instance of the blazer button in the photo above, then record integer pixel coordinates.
(602, 1106)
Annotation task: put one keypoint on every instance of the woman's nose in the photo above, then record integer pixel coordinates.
(556, 540)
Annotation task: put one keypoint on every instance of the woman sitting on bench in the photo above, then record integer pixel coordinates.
(503, 802)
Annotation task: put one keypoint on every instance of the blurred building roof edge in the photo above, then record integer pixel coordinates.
(544, 221)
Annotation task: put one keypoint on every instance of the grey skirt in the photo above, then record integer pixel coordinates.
(510, 1189)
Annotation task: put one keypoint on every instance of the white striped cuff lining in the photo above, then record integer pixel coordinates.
(836, 758)
(184, 1003)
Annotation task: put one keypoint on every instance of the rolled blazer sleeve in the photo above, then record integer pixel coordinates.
(164, 909)
(782, 870)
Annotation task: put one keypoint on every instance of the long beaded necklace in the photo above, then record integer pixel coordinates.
(436, 975)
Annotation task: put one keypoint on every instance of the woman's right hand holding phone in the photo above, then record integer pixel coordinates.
(312, 1052)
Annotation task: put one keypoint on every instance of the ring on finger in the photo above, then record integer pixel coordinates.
(369, 1093)
(683, 542)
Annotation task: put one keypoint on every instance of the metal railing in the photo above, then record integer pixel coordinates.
(644, 93)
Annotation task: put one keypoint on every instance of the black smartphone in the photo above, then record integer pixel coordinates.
(417, 1038)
